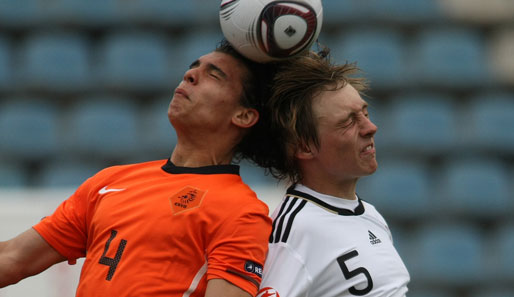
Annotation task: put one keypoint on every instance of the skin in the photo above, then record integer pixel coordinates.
(347, 148)
(25, 255)
(206, 113)
(209, 122)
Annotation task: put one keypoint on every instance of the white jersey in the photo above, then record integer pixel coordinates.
(323, 246)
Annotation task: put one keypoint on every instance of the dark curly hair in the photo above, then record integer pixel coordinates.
(256, 93)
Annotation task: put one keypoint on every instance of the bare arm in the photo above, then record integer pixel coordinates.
(221, 288)
(25, 255)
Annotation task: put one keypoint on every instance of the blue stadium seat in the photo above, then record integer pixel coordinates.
(203, 10)
(429, 293)
(399, 189)
(196, 44)
(494, 291)
(136, 62)
(29, 128)
(476, 187)
(57, 62)
(158, 138)
(6, 68)
(21, 14)
(423, 123)
(180, 14)
(401, 239)
(102, 127)
(254, 176)
(89, 14)
(12, 175)
(336, 12)
(501, 246)
(71, 173)
(449, 254)
(407, 11)
(450, 58)
(379, 53)
(492, 117)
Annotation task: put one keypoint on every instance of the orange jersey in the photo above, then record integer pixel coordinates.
(154, 229)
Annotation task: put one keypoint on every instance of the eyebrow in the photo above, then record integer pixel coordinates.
(353, 113)
(210, 67)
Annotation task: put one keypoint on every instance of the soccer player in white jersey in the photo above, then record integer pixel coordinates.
(326, 241)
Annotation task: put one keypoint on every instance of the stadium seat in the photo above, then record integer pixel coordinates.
(491, 118)
(102, 127)
(379, 53)
(89, 14)
(408, 11)
(501, 247)
(12, 175)
(136, 62)
(203, 10)
(421, 123)
(195, 44)
(399, 189)
(157, 136)
(29, 128)
(254, 176)
(55, 63)
(21, 14)
(337, 12)
(478, 12)
(6, 68)
(449, 254)
(493, 291)
(401, 239)
(429, 293)
(501, 47)
(175, 14)
(63, 173)
(476, 187)
(449, 58)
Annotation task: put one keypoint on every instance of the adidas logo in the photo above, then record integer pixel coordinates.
(373, 239)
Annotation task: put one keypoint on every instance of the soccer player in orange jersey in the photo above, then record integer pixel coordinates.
(185, 226)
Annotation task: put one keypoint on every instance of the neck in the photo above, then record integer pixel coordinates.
(198, 158)
(342, 189)
(203, 151)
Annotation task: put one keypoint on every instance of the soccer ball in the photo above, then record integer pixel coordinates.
(267, 30)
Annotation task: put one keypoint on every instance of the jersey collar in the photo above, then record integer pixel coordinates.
(169, 167)
(340, 211)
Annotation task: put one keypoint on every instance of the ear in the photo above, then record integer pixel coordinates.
(304, 152)
(245, 117)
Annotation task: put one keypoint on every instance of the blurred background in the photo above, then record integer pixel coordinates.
(86, 84)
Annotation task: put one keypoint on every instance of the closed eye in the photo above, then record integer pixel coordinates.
(215, 71)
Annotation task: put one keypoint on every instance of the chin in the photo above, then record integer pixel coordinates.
(372, 168)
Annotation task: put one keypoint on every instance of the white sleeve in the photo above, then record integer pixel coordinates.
(285, 272)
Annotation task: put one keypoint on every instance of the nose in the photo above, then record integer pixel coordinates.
(368, 128)
(191, 76)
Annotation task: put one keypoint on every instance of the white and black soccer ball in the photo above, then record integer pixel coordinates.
(267, 30)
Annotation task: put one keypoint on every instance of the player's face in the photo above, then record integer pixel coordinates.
(347, 149)
(209, 93)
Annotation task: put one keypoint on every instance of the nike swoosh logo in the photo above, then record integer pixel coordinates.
(104, 190)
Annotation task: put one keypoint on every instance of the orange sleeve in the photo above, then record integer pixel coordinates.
(239, 249)
(65, 230)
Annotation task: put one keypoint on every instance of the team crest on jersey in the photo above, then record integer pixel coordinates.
(186, 199)
(267, 292)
